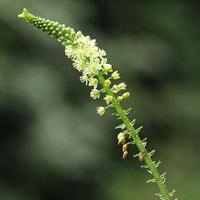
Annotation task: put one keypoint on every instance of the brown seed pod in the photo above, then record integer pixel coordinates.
(121, 138)
(124, 148)
(125, 154)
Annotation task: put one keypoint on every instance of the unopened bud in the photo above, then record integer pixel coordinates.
(120, 98)
(107, 82)
(126, 95)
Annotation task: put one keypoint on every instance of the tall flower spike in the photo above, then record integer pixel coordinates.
(92, 63)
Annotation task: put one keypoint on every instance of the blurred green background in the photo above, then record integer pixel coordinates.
(52, 143)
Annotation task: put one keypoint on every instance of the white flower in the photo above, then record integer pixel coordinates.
(121, 86)
(115, 75)
(118, 88)
(84, 78)
(102, 53)
(108, 99)
(95, 94)
(93, 82)
(107, 68)
(115, 89)
(101, 111)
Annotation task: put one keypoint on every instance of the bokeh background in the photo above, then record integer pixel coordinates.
(52, 143)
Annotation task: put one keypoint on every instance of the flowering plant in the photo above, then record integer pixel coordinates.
(97, 73)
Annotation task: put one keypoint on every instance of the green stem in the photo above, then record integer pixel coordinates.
(149, 162)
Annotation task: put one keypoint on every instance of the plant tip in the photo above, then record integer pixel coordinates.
(24, 13)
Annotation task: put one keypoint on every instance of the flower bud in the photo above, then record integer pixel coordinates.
(126, 95)
(93, 82)
(107, 82)
(108, 99)
(107, 68)
(101, 110)
(120, 98)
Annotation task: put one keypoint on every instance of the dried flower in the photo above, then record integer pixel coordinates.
(107, 82)
(125, 148)
(125, 154)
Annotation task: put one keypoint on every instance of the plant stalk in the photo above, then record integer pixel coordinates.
(149, 162)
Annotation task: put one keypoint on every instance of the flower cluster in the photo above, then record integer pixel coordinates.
(87, 57)
(90, 60)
